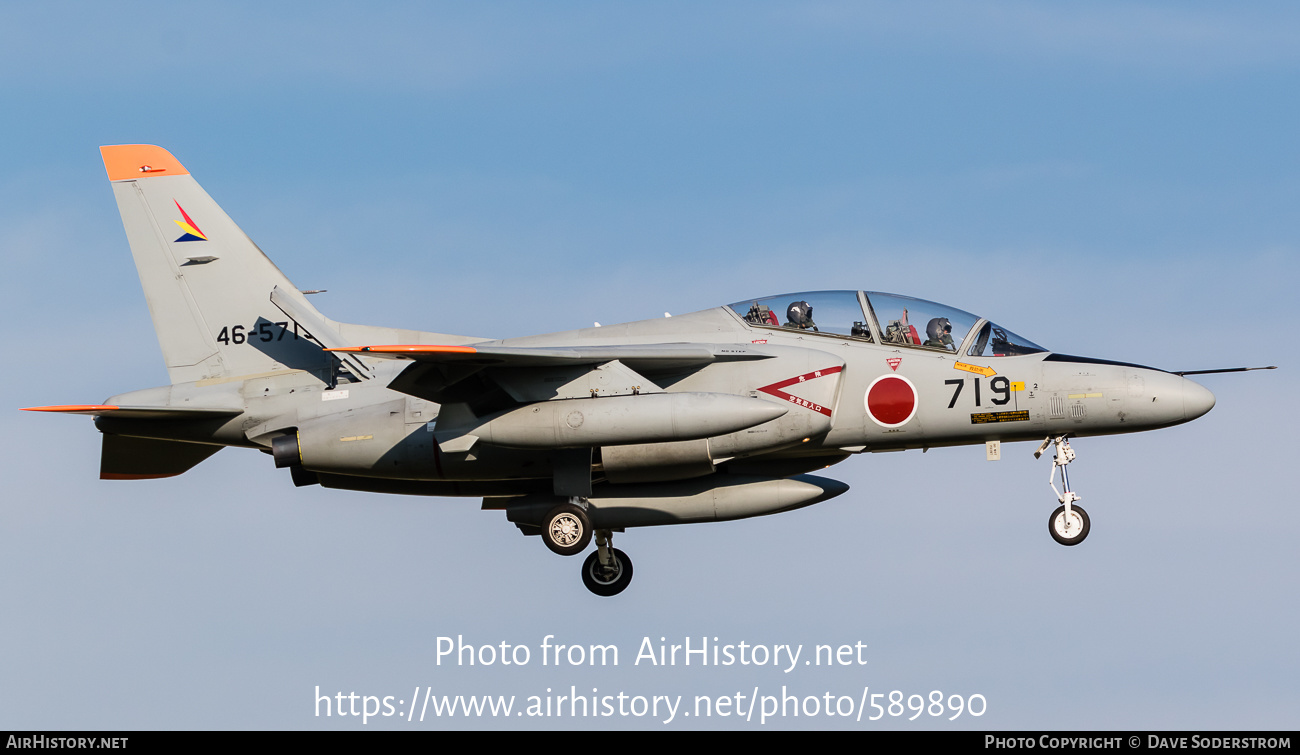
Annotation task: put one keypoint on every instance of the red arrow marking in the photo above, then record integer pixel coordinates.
(775, 389)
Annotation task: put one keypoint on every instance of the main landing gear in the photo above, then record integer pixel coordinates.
(608, 570)
(567, 530)
(1068, 524)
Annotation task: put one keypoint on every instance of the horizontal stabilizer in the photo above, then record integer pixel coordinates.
(683, 354)
(137, 412)
(124, 458)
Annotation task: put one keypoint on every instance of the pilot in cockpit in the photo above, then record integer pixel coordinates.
(799, 316)
(939, 334)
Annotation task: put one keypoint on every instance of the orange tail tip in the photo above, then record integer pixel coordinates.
(131, 161)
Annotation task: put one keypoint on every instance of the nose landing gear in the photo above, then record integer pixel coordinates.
(1068, 527)
(1069, 524)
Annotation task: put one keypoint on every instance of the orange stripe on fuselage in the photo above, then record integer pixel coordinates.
(129, 161)
(72, 408)
(408, 349)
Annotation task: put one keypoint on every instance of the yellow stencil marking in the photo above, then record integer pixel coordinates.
(1085, 395)
(985, 371)
(357, 437)
(1017, 386)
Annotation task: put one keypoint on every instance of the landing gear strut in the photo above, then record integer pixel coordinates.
(608, 570)
(1069, 524)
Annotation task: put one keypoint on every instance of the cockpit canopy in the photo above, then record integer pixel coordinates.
(886, 319)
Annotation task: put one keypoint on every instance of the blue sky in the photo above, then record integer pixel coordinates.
(1110, 179)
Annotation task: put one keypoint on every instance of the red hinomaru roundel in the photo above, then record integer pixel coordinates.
(891, 400)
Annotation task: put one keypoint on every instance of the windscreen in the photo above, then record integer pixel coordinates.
(996, 341)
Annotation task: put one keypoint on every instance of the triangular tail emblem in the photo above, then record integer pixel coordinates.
(192, 232)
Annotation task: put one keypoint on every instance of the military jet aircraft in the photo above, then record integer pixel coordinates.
(710, 416)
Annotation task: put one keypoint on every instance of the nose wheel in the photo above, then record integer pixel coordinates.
(1068, 527)
(1069, 523)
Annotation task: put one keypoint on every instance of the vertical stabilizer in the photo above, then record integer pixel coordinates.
(207, 284)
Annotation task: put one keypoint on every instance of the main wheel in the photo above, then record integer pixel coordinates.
(566, 530)
(1068, 530)
(607, 581)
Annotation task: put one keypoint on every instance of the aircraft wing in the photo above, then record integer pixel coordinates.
(531, 373)
(659, 354)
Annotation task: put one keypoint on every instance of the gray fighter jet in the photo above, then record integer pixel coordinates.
(715, 415)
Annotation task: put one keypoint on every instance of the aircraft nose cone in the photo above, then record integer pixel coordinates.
(1197, 399)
